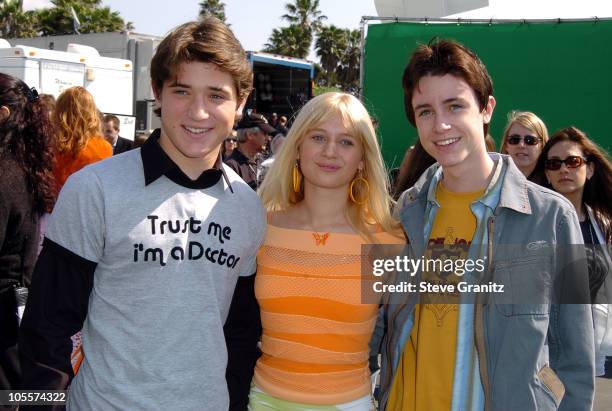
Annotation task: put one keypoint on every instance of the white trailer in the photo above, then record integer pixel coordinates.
(136, 47)
(109, 80)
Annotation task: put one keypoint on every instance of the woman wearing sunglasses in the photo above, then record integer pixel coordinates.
(228, 147)
(524, 137)
(577, 168)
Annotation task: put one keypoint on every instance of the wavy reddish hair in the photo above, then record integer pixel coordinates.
(77, 120)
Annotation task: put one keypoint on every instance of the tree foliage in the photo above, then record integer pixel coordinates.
(14, 22)
(92, 16)
(348, 72)
(338, 49)
(59, 19)
(305, 14)
(288, 41)
(305, 19)
(339, 52)
(329, 46)
(214, 8)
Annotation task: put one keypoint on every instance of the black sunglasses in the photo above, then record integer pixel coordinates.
(515, 139)
(570, 162)
(233, 140)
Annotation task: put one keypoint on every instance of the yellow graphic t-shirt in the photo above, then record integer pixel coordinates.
(424, 378)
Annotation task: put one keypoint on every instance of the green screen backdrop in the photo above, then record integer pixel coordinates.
(560, 71)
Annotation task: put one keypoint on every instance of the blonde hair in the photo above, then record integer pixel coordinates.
(77, 120)
(277, 189)
(528, 120)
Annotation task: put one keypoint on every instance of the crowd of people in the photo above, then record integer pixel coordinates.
(221, 265)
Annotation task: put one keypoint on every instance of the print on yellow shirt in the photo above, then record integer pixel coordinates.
(424, 379)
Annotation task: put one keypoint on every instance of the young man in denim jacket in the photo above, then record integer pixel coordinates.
(518, 349)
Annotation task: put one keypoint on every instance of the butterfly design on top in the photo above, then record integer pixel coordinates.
(320, 239)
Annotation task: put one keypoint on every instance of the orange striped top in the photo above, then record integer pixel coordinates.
(315, 330)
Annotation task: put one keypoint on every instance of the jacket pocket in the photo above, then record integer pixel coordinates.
(527, 286)
(552, 384)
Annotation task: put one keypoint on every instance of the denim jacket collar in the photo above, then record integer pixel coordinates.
(514, 189)
(511, 192)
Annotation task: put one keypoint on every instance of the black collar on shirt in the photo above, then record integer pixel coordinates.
(156, 163)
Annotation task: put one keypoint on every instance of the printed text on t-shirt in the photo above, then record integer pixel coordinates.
(194, 250)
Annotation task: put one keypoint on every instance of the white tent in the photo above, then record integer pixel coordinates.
(425, 8)
(496, 9)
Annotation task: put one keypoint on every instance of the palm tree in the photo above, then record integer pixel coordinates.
(349, 62)
(276, 42)
(99, 20)
(214, 8)
(93, 18)
(306, 15)
(16, 23)
(288, 41)
(330, 45)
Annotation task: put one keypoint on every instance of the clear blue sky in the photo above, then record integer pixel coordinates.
(252, 21)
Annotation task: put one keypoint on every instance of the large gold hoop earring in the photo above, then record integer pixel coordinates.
(297, 178)
(363, 181)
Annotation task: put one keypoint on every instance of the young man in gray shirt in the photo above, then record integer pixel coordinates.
(144, 251)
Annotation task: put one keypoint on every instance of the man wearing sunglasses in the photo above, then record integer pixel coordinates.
(513, 350)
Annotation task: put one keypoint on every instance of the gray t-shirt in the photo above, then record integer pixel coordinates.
(168, 258)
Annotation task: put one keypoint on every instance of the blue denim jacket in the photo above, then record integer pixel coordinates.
(509, 356)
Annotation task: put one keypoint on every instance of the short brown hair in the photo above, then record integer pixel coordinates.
(440, 57)
(209, 41)
(112, 118)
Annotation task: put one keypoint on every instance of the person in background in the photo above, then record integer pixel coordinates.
(416, 161)
(229, 145)
(265, 165)
(79, 133)
(27, 143)
(282, 125)
(580, 170)
(140, 139)
(523, 139)
(111, 128)
(490, 143)
(49, 102)
(326, 195)
(253, 130)
(273, 120)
